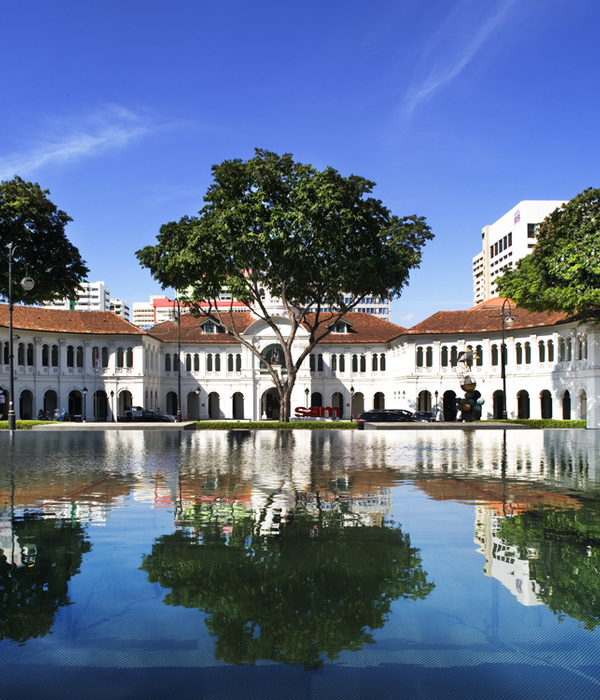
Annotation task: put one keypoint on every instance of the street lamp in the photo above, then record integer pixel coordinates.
(306, 393)
(84, 391)
(351, 402)
(112, 405)
(179, 418)
(27, 284)
(508, 321)
(436, 394)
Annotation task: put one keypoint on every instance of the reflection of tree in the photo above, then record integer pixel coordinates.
(563, 549)
(314, 591)
(51, 551)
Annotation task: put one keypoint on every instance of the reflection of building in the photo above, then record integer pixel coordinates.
(501, 561)
(364, 363)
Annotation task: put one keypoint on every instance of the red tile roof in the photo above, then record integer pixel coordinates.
(485, 317)
(39, 318)
(363, 328)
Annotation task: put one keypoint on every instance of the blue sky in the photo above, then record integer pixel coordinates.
(457, 109)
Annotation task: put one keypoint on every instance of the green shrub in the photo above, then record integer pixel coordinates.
(23, 424)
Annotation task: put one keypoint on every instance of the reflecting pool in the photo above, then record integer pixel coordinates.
(325, 564)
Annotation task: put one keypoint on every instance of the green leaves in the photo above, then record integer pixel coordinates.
(563, 271)
(32, 223)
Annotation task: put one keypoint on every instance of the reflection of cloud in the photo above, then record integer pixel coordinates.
(70, 140)
(449, 62)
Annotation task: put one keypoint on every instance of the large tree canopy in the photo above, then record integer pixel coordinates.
(273, 225)
(36, 227)
(563, 271)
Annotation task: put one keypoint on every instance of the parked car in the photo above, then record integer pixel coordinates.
(139, 414)
(399, 415)
(425, 416)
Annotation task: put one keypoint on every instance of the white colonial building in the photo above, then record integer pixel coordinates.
(96, 364)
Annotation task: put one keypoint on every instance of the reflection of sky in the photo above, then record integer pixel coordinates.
(118, 619)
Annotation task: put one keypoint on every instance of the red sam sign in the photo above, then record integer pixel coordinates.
(317, 412)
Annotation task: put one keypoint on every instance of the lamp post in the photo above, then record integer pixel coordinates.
(508, 321)
(351, 402)
(436, 394)
(178, 418)
(306, 393)
(28, 284)
(84, 391)
(112, 405)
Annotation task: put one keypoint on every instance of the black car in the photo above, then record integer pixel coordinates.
(425, 416)
(145, 416)
(398, 415)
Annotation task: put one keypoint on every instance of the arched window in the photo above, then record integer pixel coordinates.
(129, 358)
(363, 363)
(542, 351)
(21, 354)
(528, 353)
(196, 362)
(120, 358)
(230, 362)
(30, 354)
(209, 362)
(561, 349)
(238, 362)
(419, 356)
(6, 354)
(550, 351)
(382, 362)
(104, 358)
(429, 356)
(479, 356)
(519, 353)
(319, 362)
(79, 356)
(167, 362)
(568, 350)
(54, 356)
(333, 363)
(374, 362)
(454, 356)
(342, 363)
(444, 358)
(70, 356)
(312, 362)
(355, 363)
(188, 362)
(95, 357)
(495, 356)
(217, 362)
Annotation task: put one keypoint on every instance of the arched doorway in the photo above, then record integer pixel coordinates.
(270, 405)
(358, 404)
(316, 399)
(546, 403)
(337, 401)
(523, 404)
(498, 403)
(379, 400)
(566, 406)
(26, 405)
(449, 406)
(50, 403)
(172, 403)
(193, 406)
(125, 401)
(214, 405)
(100, 405)
(424, 401)
(75, 404)
(237, 407)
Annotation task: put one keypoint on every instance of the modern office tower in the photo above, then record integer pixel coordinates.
(504, 242)
(91, 296)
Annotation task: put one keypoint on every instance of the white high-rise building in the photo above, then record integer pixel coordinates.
(92, 296)
(504, 242)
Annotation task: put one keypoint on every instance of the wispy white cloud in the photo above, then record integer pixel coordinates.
(451, 49)
(69, 140)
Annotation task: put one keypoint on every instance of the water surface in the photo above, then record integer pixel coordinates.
(279, 565)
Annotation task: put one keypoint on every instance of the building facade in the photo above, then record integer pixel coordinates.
(96, 364)
(504, 242)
